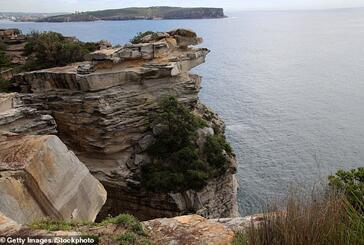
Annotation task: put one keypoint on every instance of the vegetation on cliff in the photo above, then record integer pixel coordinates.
(5, 86)
(126, 230)
(140, 35)
(178, 162)
(336, 217)
(51, 49)
(4, 60)
(352, 184)
(139, 13)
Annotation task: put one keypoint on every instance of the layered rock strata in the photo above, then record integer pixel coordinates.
(17, 118)
(102, 108)
(40, 177)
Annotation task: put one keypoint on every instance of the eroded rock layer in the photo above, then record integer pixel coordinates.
(102, 108)
(17, 118)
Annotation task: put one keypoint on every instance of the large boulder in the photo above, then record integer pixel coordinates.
(40, 177)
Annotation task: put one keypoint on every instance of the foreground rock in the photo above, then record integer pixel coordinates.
(184, 230)
(40, 177)
(103, 108)
(189, 230)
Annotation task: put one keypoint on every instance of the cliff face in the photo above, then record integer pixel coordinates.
(103, 107)
(140, 13)
(17, 118)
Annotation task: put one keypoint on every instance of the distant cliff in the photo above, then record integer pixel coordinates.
(139, 14)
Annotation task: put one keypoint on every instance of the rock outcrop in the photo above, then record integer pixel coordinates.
(189, 230)
(40, 177)
(13, 42)
(17, 118)
(102, 108)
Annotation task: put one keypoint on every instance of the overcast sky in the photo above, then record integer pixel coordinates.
(82, 5)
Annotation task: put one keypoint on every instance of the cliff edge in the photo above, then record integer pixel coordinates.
(103, 110)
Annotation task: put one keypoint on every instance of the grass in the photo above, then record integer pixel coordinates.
(127, 220)
(240, 239)
(323, 219)
(54, 225)
(127, 238)
(132, 231)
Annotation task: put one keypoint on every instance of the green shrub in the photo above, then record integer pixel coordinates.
(51, 49)
(178, 163)
(214, 150)
(352, 184)
(240, 239)
(4, 60)
(53, 225)
(127, 239)
(5, 85)
(140, 35)
(127, 220)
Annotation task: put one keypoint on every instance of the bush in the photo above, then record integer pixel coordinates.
(352, 184)
(5, 86)
(53, 225)
(127, 220)
(4, 60)
(127, 239)
(51, 49)
(140, 35)
(178, 163)
(214, 148)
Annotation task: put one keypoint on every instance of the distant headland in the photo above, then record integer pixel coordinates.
(149, 13)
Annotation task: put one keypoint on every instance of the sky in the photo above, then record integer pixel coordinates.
(229, 5)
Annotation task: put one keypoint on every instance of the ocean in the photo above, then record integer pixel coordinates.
(289, 85)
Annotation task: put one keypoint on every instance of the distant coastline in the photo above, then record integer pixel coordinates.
(150, 13)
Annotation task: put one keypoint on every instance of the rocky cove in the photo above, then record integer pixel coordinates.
(75, 138)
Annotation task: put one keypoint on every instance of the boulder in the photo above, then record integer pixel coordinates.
(40, 177)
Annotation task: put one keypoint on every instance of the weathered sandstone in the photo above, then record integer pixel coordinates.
(103, 106)
(189, 230)
(17, 118)
(40, 177)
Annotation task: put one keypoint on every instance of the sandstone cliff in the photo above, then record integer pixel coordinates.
(40, 177)
(103, 107)
(17, 118)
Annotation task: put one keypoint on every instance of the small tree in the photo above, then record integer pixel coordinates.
(178, 163)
